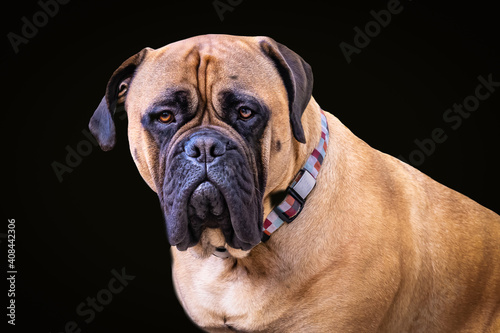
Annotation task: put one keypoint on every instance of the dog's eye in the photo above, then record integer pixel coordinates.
(123, 87)
(165, 117)
(245, 113)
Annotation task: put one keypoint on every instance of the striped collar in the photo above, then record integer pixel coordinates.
(299, 189)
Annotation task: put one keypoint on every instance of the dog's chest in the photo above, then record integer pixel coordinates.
(217, 297)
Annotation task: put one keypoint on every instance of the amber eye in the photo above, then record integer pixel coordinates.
(166, 117)
(245, 113)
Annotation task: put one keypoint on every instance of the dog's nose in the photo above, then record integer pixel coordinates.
(204, 148)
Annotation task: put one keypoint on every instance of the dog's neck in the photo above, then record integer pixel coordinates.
(300, 188)
(297, 154)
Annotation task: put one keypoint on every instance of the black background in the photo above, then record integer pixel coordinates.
(102, 216)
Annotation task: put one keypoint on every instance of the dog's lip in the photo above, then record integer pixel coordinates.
(190, 239)
(215, 211)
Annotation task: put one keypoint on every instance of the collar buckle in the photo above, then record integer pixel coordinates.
(299, 189)
(302, 185)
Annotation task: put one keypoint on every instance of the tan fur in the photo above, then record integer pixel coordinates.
(378, 247)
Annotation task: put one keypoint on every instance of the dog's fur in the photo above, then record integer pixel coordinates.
(378, 247)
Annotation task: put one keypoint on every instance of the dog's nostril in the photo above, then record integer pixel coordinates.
(193, 151)
(217, 149)
(212, 150)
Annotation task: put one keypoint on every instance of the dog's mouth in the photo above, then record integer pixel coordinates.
(219, 194)
(207, 206)
(213, 206)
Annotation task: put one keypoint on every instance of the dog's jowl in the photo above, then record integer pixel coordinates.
(282, 220)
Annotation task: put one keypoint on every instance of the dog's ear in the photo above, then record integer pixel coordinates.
(101, 124)
(298, 80)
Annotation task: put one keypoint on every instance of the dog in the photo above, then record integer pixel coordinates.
(282, 220)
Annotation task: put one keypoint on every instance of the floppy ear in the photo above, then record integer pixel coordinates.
(298, 80)
(101, 124)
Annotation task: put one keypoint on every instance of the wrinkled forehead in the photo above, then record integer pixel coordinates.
(204, 67)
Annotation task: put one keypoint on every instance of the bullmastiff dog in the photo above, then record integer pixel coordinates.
(282, 220)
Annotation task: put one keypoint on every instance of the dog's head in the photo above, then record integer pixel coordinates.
(212, 122)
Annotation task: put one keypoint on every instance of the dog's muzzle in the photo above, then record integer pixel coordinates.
(209, 183)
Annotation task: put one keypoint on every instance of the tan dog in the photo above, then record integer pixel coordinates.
(218, 127)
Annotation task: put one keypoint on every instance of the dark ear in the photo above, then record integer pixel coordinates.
(298, 80)
(101, 124)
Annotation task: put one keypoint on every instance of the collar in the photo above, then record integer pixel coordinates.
(297, 192)
(300, 187)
